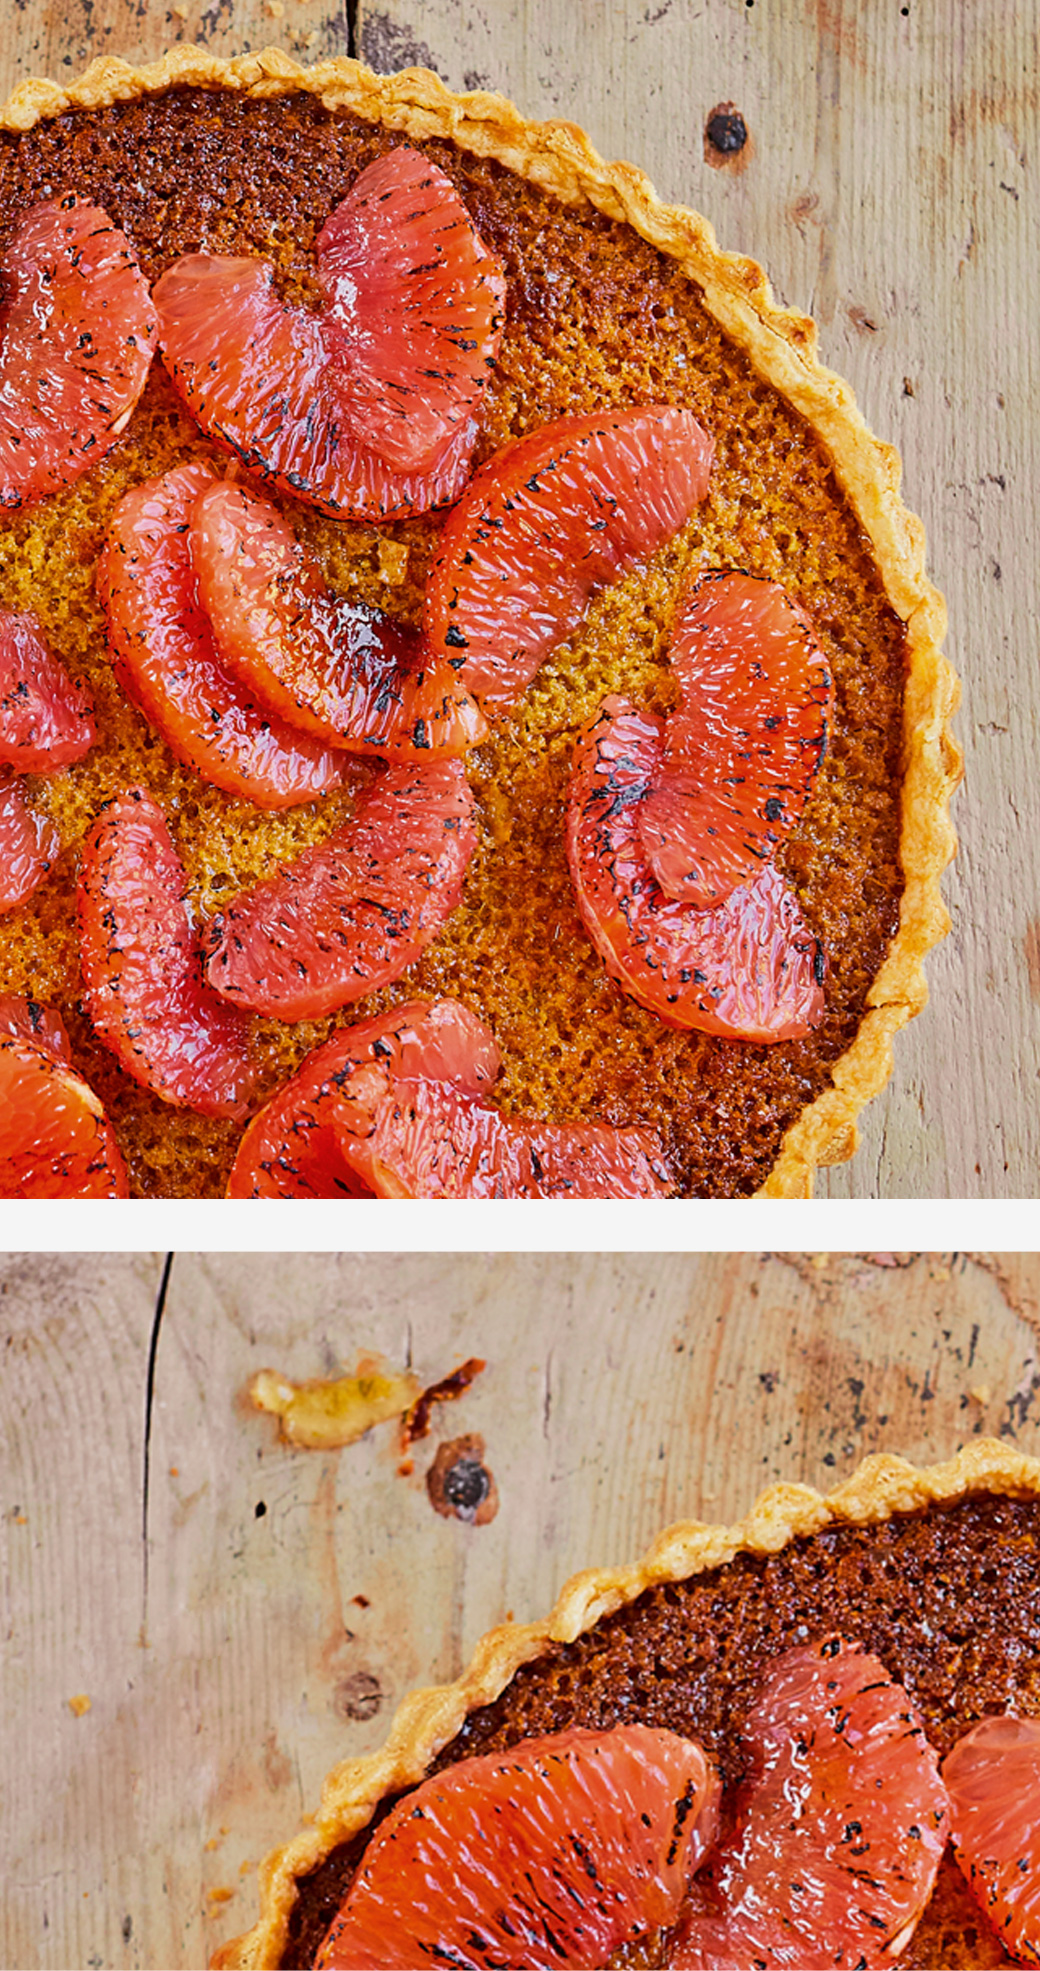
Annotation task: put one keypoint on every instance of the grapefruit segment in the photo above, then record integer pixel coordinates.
(432, 1140)
(55, 1140)
(77, 332)
(142, 970)
(293, 1148)
(352, 913)
(414, 306)
(28, 843)
(993, 1780)
(839, 1829)
(557, 1853)
(256, 375)
(743, 748)
(46, 719)
(748, 970)
(549, 518)
(333, 667)
(166, 660)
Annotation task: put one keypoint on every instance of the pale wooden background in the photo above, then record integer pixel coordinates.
(890, 192)
(621, 1392)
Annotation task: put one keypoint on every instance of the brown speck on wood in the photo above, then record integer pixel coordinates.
(860, 319)
(459, 1483)
(727, 140)
(908, 388)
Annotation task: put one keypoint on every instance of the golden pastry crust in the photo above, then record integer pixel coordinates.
(881, 1487)
(781, 346)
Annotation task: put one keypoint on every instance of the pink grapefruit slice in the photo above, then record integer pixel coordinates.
(142, 969)
(77, 334)
(993, 1780)
(46, 717)
(55, 1140)
(167, 662)
(334, 668)
(354, 912)
(557, 1853)
(750, 969)
(741, 752)
(548, 519)
(294, 1147)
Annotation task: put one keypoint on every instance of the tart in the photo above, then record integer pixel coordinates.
(935, 1570)
(613, 299)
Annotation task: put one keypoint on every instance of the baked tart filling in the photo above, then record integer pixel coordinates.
(830, 1710)
(568, 659)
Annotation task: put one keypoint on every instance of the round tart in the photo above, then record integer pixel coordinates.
(933, 1570)
(613, 300)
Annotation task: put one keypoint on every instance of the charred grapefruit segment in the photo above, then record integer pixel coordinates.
(352, 913)
(28, 843)
(291, 1148)
(142, 969)
(166, 660)
(430, 1140)
(555, 1854)
(839, 1829)
(26, 1019)
(46, 720)
(256, 376)
(414, 306)
(993, 1780)
(549, 518)
(55, 1140)
(77, 334)
(333, 667)
(744, 747)
(748, 970)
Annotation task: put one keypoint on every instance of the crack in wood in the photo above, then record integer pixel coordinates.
(149, 1400)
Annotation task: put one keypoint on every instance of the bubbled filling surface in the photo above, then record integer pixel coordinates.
(596, 317)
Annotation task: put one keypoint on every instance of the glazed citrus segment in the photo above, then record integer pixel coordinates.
(293, 1146)
(257, 376)
(748, 970)
(55, 1140)
(743, 748)
(142, 969)
(352, 913)
(839, 1828)
(430, 1140)
(548, 519)
(166, 660)
(77, 333)
(46, 718)
(993, 1780)
(555, 1854)
(414, 306)
(28, 843)
(335, 668)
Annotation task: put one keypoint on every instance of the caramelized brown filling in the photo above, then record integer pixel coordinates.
(948, 1599)
(595, 317)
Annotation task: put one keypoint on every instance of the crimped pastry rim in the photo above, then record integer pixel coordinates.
(881, 1487)
(781, 344)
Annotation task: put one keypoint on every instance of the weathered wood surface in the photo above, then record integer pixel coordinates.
(888, 187)
(265, 1613)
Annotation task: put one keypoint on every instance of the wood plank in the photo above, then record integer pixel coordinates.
(293, 1597)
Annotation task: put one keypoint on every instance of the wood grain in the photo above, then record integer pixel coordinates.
(887, 188)
(293, 1597)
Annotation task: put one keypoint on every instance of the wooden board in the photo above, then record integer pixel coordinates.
(887, 188)
(267, 1611)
